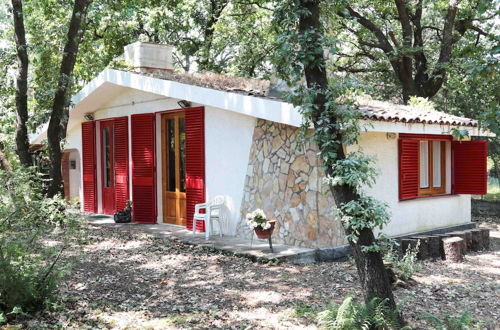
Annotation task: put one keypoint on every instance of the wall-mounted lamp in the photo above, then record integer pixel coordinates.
(184, 104)
(391, 136)
(89, 116)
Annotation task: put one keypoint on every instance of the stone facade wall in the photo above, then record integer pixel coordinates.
(285, 180)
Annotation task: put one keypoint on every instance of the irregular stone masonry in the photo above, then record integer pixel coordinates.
(284, 179)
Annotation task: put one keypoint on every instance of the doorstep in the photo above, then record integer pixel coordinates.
(259, 250)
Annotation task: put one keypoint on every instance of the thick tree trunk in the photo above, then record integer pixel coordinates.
(22, 141)
(58, 119)
(371, 270)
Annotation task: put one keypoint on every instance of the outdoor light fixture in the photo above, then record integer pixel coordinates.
(184, 104)
(89, 116)
(391, 136)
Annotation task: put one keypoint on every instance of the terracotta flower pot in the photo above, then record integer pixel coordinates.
(265, 233)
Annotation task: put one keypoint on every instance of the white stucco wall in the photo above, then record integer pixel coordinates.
(415, 215)
(228, 138)
(75, 175)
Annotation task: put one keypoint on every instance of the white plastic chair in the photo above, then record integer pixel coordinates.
(213, 212)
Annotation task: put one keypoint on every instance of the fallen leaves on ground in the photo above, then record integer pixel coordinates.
(129, 280)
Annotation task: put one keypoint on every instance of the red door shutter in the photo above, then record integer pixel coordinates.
(143, 168)
(88, 167)
(121, 163)
(408, 168)
(470, 174)
(195, 163)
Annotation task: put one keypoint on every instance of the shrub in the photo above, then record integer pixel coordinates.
(353, 316)
(403, 267)
(30, 266)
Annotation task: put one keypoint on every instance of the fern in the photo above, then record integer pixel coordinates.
(352, 316)
(464, 321)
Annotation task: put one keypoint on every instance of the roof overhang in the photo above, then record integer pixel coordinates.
(109, 83)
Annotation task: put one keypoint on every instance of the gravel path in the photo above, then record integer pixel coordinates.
(127, 280)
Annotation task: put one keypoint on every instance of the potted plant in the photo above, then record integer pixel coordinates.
(262, 226)
(125, 215)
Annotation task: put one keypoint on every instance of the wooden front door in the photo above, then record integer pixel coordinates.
(174, 168)
(108, 167)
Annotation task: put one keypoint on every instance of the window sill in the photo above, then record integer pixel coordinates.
(430, 197)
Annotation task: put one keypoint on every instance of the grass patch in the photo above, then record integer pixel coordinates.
(304, 310)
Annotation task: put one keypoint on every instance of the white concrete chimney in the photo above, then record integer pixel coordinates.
(149, 57)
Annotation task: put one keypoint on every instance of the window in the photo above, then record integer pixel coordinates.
(432, 171)
(425, 162)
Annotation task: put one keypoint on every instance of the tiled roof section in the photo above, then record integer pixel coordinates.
(386, 111)
(370, 109)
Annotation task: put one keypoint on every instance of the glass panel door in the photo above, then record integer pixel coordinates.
(108, 167)
(174, 168)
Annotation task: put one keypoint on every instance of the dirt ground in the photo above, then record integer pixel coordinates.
(125, 280)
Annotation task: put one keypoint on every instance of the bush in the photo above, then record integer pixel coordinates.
(353, 316)
(30, 266)
(403, 267)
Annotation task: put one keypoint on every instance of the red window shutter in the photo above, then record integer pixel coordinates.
(88, 167)
(408, 168)
(143, 168)
(470, 174)
(433, 137)
(121, 163)
(195, 163)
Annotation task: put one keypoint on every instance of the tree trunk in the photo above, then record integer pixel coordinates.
(216, 8)
(22, 141)
(371, 270)
(60, 112)
(4, 161)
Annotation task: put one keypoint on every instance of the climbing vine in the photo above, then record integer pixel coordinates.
(336, 125)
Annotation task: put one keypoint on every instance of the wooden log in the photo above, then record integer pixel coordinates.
(485, 238)
(453, 249)
(407, 243)
(434, 251)
(423, 247)
(441, 247)
(468, 239)
(476, 239)
(462, 235)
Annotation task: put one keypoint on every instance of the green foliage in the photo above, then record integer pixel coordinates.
(422, 103)
(335, 121)
(30, 267)
(304, 310)
(362, 213)
(463, 321)
(353, 316)
(403, 267)
(357, 170)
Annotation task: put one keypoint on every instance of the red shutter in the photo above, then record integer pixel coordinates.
(143, 168)
(121, 163)
(88, 167)
(470, 174)
(408, 168)
(433, 137)
(195, 163)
